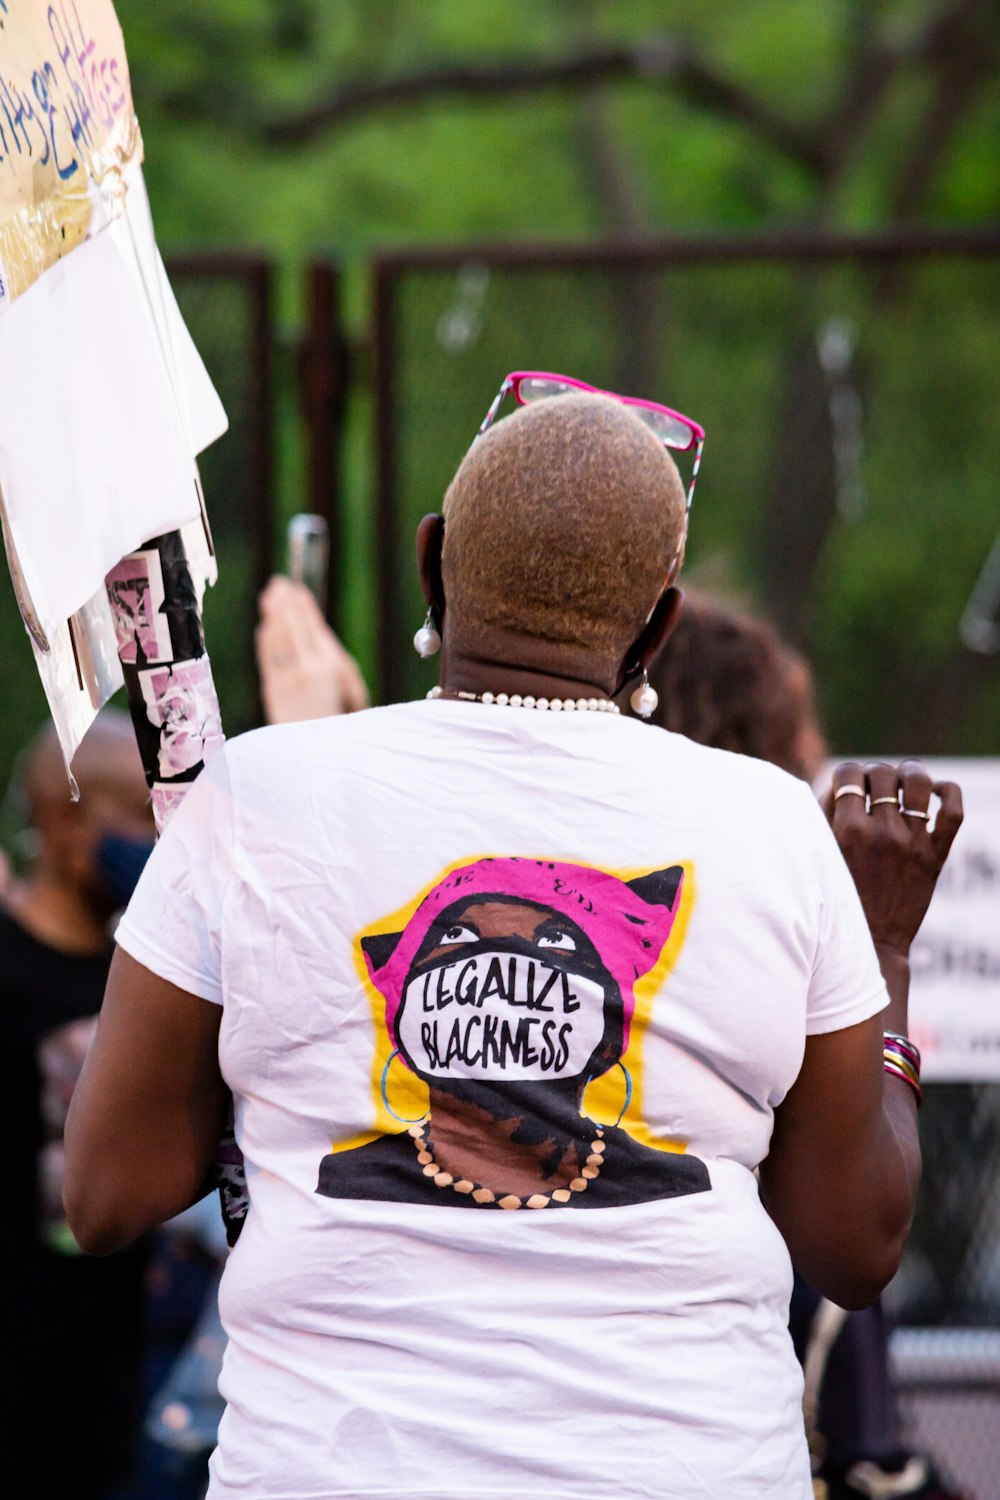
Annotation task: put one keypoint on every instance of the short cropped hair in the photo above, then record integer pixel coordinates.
(562, 524)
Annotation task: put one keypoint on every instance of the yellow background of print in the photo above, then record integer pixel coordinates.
(409, 1094)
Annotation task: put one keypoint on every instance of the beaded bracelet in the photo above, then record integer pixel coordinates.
(901, 1057)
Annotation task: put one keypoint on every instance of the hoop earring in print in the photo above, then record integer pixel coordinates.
(403, 1120)
(628, 1092)
(427, 641)
(645, 698)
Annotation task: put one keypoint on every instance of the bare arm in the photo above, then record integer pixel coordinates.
(148, 1111)
(841, 1177)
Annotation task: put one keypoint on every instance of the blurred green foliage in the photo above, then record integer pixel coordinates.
(208, 75)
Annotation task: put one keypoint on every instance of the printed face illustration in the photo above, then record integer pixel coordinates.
(507, 989)
(521, 970)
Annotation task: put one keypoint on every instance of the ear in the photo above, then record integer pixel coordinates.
(379, 949)
(655, 634)
(430, 540)
(660, 887)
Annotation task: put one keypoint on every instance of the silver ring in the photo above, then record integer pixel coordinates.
(849, 791)
(878, 801)
(913, 812)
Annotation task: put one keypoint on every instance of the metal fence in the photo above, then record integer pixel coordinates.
(951, 1275)
(228, 304)
(847, 385)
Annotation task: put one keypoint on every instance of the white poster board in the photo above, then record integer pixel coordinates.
(105, 400)
(955, 961)
(955, 989)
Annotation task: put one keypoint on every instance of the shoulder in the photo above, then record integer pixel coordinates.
(724, 779)
(275, 746)
(275, 769)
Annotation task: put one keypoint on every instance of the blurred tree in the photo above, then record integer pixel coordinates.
(849, 111)
(304, 126)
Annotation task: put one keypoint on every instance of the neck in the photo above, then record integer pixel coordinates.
(472, 1143)
(57, 914)
(499, 662)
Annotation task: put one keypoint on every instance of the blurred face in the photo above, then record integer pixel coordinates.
(107, 834)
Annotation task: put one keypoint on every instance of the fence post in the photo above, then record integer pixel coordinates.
(260, 279)
(323, 382)
(389, 625)
(240, 471)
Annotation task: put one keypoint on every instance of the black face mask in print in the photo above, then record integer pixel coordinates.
(501, 1012)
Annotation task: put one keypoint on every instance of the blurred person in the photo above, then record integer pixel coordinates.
(727, 680)
(71, 1326)
(664, 945)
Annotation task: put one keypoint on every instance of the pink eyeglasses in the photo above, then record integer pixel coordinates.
(673, 430)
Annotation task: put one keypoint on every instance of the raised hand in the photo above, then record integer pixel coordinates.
(305, 672)
(894, 844)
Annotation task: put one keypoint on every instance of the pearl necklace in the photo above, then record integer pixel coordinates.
(440, 1178)
(527, 700)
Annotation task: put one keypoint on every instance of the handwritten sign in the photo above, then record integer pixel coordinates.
(67, 130)
(955, 989)
(105, 401)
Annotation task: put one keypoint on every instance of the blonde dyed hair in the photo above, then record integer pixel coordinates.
(562, 524)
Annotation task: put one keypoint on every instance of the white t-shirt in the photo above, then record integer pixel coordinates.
(489, 909)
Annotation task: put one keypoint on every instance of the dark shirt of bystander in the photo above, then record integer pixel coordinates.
(70, 1325)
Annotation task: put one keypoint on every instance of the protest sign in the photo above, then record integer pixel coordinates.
(955, 989)
(105, 406)
(106, 401)
(955, 961)
(67, 130)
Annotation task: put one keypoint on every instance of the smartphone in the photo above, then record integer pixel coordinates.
(308, 545)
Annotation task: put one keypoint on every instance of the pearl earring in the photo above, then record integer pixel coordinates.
(427, 641)
(645, 698)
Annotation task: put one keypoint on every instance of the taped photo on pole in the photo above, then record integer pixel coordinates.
(106, 402)
(136, 595)
(181, 702)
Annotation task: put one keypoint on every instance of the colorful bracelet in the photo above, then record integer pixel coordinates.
(901, 1057)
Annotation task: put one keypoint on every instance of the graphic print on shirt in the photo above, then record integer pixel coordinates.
(507, 999)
